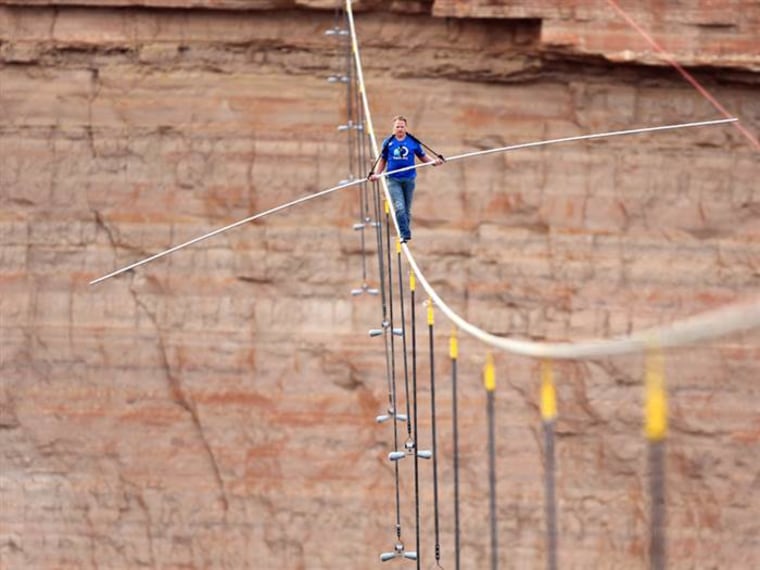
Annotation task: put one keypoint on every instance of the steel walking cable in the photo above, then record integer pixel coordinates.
(705, 326)
(388, 320)
(382, 279)
(364, 101)
(356, 52)
(431, 348)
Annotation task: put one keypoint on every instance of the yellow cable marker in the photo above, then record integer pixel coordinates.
(489, 376)
(453, 345)
(398, 245)
(387, 208)
(431, 320)
(656, 406)
(548, 392)
(412, 281)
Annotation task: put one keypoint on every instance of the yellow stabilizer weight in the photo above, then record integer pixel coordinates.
(453, 345)
(656, 403)
(489, 374)
(548, 392)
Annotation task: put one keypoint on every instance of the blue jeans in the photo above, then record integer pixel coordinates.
(402, 193)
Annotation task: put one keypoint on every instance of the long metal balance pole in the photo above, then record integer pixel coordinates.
(468, 155)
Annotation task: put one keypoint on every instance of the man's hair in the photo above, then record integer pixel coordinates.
(400, 118)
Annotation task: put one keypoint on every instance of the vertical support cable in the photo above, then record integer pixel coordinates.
(356, 153)
(548, 418)
(362, 144)
(410, 442)
(350, 86)
(656, 427)
(489, 381)
(454, 354)
(380, 252)
(384, 305)
(431, 322)
(389, 331)
(412, 288)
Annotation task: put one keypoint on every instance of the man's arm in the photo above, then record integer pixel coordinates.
(426, 159)
(378, 169)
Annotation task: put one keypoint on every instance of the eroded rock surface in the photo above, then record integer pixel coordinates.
(215, 409)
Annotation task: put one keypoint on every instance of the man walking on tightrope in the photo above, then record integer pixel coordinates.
(399, 151)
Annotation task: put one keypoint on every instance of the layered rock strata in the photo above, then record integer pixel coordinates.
(215, 409)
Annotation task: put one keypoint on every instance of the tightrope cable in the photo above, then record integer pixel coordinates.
(702, 327)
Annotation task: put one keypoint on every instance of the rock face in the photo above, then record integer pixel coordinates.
(215, 409)
(721, 34)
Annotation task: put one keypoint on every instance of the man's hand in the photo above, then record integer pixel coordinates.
(372, 177)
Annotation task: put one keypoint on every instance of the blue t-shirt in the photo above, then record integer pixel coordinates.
(401, 153)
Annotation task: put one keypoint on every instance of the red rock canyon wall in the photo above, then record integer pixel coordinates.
(215, 409)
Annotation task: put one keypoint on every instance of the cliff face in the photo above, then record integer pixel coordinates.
(215, 409)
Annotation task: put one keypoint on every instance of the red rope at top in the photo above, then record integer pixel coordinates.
(686, 75)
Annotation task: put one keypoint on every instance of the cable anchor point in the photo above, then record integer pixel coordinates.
(350, 125)
(382, 418)
(409, 450)
(385, 325)
(365, 288)
(398, 552)
(336, 31)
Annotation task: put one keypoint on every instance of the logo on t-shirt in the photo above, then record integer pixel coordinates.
(400, 153)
